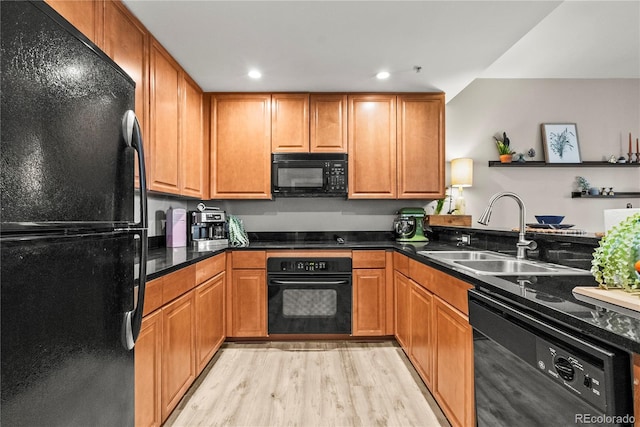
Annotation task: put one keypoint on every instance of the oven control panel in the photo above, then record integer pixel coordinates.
(309, 265)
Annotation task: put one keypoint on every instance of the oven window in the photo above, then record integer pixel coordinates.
(300, 177)
(309, 302)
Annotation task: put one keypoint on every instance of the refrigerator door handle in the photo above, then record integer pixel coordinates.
(133, 319)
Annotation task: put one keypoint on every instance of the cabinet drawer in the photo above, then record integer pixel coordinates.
(208, 268)
(177, 283)
(369, 259)
(423, 275)
(401, 263)
(153, 295)
(452, 290)
(248, 259)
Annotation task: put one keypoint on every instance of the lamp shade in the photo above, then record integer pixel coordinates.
(462, 172)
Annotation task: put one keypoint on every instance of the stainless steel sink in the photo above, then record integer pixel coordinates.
(497, 264)
(463, 255)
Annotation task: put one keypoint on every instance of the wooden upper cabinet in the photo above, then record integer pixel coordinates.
(126, 41)
(163, 142)
(328, 123)
(372, 146)
(290, 122)
(421, 146)
(240, 146)
(194, 152)
(86, 16)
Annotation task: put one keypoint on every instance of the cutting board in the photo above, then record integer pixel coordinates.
(455, 220)
(615, 297)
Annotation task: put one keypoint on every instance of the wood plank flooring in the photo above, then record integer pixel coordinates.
(318, 383)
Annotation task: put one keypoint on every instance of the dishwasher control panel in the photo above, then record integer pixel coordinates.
(584, 379)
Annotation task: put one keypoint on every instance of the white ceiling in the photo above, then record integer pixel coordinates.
(322, 46)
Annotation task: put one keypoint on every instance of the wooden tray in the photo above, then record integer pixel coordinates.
(612, 299)
(455, 220)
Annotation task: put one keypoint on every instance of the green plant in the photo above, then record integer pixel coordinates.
(503, 145)
(439, 206)
(583, 183)
(614, 259)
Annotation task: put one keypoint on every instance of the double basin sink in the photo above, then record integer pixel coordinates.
(497, 264)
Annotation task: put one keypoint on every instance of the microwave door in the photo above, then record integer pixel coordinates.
(300, 178)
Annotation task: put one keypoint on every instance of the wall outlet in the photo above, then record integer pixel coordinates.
(465, 239)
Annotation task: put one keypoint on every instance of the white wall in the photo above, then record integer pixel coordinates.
(605, 111)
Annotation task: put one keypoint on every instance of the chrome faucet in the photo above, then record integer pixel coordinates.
(523, 244)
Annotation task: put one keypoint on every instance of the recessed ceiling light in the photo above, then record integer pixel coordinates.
(383, 75)
(255, 74)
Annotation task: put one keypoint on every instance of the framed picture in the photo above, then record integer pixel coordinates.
(560, 143)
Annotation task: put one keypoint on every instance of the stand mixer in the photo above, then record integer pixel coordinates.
(409, 225)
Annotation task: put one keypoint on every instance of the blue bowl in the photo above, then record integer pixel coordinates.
(549, 219)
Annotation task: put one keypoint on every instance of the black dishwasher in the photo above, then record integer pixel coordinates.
(529, 372)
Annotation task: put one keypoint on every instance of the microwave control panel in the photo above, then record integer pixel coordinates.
(336, 175)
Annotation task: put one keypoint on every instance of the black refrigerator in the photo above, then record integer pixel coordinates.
(72, 255)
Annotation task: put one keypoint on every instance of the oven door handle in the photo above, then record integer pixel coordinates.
(274, 282)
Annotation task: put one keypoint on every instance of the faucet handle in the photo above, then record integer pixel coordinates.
(529, 244)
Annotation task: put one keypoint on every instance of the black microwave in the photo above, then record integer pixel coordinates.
(309, 175)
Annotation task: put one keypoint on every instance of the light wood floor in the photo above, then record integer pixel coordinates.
(320, 383)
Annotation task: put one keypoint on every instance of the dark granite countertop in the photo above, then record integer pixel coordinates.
(547, 296)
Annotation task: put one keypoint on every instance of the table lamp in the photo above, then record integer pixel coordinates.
(461, 176)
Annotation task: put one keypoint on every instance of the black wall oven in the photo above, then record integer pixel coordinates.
(309, 295)
(530, 372)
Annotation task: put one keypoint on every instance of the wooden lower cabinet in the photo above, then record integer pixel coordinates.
(402, 294)
(421, 319)
(148, 351)
(178, 351)
(369, 302)
(210, 314)
(432, 326)
(248, 303)
(453, 364)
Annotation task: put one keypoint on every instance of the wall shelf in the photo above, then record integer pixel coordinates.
(538, 164)
(579, 195)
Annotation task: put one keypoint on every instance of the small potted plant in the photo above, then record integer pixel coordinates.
(583, 184)
(504, 150)
(616, 262)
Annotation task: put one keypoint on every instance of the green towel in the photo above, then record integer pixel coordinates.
(237, 236)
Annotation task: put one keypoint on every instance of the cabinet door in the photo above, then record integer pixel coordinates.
(402, 292)
(421, 327)
(86, 16)
(178, 351)
(148, 371)
(165, 99)
(369, 302)
(126, 41)
(249, 303)
(328, 123)
(194, 154)
(453, 366)
(372, 146)
(241, 146)
(421, 146)
(210, 314)
(290, 122)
